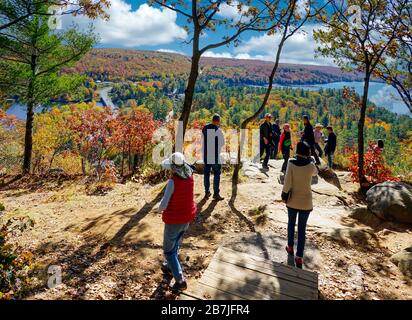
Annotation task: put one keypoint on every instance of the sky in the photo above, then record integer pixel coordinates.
(133, 24)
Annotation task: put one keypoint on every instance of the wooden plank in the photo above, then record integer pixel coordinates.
(268, 267)
(239, 288)
(262, 281)
(236, 275)
(306, 274)
(212, 292)
(189, 295)
(232, 256)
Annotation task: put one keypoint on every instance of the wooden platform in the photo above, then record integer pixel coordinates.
(234, 275)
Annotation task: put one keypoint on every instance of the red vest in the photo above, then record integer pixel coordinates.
(182, 207)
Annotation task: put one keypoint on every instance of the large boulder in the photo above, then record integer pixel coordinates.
(391, 201)
(403, 260)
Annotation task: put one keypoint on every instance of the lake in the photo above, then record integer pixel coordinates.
(381, 94)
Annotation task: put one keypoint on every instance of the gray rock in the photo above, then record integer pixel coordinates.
(330, 176)
(403, 260)
(391, 201)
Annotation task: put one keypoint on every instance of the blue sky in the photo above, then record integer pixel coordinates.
(134, 24)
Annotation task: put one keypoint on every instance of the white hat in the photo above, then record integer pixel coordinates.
(176, 158)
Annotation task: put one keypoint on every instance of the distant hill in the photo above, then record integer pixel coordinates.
(122, 64)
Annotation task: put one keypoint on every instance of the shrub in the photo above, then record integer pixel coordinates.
(14, 267)
(375, 169)
(2, 207)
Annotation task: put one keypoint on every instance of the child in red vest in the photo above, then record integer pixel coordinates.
(179, 209)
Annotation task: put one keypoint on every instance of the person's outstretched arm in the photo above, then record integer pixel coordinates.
(170, 188)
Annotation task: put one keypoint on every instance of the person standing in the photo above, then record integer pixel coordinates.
(213, 140)
(309, 137)
(318, 138)
(266, 139)
(297, 194)
(178, 210)
(378, 147)
(275, 139)
(285, 145)
(330, 146)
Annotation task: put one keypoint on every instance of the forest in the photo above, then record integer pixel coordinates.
(80, 191)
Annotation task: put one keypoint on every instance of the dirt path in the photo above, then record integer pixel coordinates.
(109, 247)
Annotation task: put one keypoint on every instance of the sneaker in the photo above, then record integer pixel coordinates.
(165, 269)
(218, 197)
(289, 250)
(179, 286)
(208, 194)
(299, 262)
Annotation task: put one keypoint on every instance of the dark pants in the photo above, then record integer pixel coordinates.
(314, 154)
(217, 169)
(265, 148)
(274, 149)
(330, 159)
(319, 149)
(286, 156)
(303, 219)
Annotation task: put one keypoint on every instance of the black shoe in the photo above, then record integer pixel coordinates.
(166, 271)
(217, 197)
(179, 286)
(208, 194)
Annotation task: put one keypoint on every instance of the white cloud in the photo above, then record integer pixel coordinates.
(128, 28)
(300, 48)
(171, 51)
(232, 11)
(212, 54)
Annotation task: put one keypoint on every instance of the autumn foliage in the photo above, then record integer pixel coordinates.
(99, 140)
(375, 169)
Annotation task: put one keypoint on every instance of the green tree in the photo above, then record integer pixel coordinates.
(359, 45)
(15, 11)
(396, 70)
(31, 56)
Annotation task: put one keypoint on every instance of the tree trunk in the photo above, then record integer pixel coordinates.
(28, 138)
(83, 166)
(361, 125)
(122, 165)
(189, 93)
(245, 123)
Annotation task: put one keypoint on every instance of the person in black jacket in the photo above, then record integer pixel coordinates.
(309, 137)
(213, 140)
(275, 139)
(266, 139)
(330, 146)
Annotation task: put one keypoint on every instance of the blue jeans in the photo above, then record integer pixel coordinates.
(172, 239)
(217, 169)
(303, 219)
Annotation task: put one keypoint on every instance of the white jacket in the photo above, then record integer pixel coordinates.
(298, 180)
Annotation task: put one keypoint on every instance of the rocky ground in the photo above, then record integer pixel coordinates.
(110, 246)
